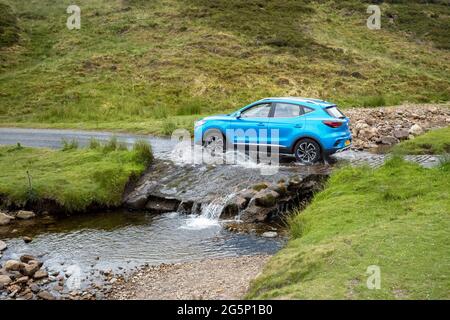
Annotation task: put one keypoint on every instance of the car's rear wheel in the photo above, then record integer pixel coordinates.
(307, 151)
(214, 142)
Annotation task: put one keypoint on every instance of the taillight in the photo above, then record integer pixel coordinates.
(333, 124)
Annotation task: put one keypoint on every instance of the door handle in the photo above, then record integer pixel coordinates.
(261, 124)
(298, 126)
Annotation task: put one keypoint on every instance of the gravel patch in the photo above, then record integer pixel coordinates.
(224, 278)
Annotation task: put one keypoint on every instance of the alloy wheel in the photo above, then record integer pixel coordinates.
(307, 152)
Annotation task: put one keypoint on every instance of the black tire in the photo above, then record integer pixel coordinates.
(214, 141)
(307, 151)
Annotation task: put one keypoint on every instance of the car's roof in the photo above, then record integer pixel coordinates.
(305, 101)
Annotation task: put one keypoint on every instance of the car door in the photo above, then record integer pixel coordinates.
(250, 125)
(287, 122)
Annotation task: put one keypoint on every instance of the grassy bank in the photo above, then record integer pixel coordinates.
(74, 178)
(396, 217)
(432, 142)
(152, 66)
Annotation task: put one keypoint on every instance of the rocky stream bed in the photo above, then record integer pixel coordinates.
(181, 216)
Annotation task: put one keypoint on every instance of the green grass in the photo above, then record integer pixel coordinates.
(433, 142)
(74, 178)
(396, 217)
(152, 66)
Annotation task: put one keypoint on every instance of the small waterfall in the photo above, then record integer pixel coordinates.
(213, 209)
(209, 216)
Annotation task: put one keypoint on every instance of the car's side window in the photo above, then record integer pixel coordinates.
(307, 110)
(258, 111)
(287, 110)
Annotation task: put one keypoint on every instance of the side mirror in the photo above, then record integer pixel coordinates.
(238, 115)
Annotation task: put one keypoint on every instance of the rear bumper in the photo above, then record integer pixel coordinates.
(340, 145)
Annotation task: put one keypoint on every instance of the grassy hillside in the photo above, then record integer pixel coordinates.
(396, 217)
(151, 66)
(74, 178)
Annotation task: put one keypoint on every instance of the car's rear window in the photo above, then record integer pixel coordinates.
(335, 112)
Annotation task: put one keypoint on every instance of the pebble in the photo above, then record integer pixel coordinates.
(40, 274)
(27, 258)
(27, 239)
(45, 295)
(270, 234)
(34, 288)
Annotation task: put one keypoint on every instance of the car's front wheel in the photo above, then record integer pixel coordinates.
(307, 151)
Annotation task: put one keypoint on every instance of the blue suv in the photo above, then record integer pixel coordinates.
(310, 129)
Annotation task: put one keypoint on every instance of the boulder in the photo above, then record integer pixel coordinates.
(3, 246)
(416, 130)
(254, 213)
(367, 133)
(260, 186)
(5, 280)
(279, 188)
(136, 201)
(5, 219)
(389, 140)
(24, 215)
(29, 269)
(401, 134)
(13, 265)
(266, 198)
(247, 194)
